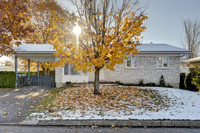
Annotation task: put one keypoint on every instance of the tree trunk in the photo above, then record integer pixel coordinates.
(45, 71)
(96, 81)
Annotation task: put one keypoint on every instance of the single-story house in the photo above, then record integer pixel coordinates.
(6, 68)
(152, 61)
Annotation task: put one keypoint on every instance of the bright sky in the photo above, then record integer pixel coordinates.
(165, 19)
(3, 59)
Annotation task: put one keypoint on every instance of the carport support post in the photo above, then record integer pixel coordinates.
(28, 71)
(38, 72)
(16, 73)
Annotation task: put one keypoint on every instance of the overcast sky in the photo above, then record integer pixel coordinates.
(165, 19)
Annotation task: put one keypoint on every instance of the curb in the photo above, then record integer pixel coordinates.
(118, 123)
(9, 124)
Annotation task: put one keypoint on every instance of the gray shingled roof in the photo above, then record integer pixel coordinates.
(144, 48)
(161, 48)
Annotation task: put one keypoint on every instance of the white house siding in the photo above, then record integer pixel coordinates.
(58, 76)
(101, 76)
(75, 78)
(61, 79)
(146, 70)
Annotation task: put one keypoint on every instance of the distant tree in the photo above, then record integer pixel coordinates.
(14, 24)
(49, 19)
(8, 63)
(111, 30)
(22, 64)
(191, 40)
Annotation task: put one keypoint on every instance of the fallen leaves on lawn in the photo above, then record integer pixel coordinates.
(114, 98)
(5, 113)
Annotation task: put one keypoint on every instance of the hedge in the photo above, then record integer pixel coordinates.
(7, 79)
(182, 80)
(188, 81)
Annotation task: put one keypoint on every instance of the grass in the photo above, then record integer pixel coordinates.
(6, 89)
(113, 98)
(47, 102)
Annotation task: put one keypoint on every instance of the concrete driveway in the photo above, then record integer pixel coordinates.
(15, 104)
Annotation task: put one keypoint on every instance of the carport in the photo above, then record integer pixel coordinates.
(37, 53)
(194, 61)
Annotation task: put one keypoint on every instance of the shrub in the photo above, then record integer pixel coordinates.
(182, 79)
(71, 84)
(141, 82)
(188, 81)
(151, 84)
(162, 81)
(68, 82)
(196, 78)
(7, 79)
(170, 86)
(119, 83)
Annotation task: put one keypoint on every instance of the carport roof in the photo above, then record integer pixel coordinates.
(35, 48)
(36, 52)
(194, 60)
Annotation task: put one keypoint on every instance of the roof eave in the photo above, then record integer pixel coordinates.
(164, 52)
(35, 52)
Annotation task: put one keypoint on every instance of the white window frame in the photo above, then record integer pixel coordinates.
(162, 61)
(132, 62)
(69, 72)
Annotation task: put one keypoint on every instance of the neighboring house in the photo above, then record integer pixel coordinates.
(6, 68)
(152, 61)
(3, 65)
(194, 61)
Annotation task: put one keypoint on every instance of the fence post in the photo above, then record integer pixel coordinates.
(16, 73)
(29, 80)
(38, 72)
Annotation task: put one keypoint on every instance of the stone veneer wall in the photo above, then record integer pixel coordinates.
(58, 76)
(146, 70)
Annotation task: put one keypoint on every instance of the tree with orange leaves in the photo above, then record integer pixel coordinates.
(14, 24)
(110, 32)
(49, 19)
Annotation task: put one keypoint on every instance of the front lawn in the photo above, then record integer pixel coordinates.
(6, 89)
(118, 102)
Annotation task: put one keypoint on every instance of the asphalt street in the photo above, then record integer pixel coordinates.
(53, 129)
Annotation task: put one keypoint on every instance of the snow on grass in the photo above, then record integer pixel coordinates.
(123, 103)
